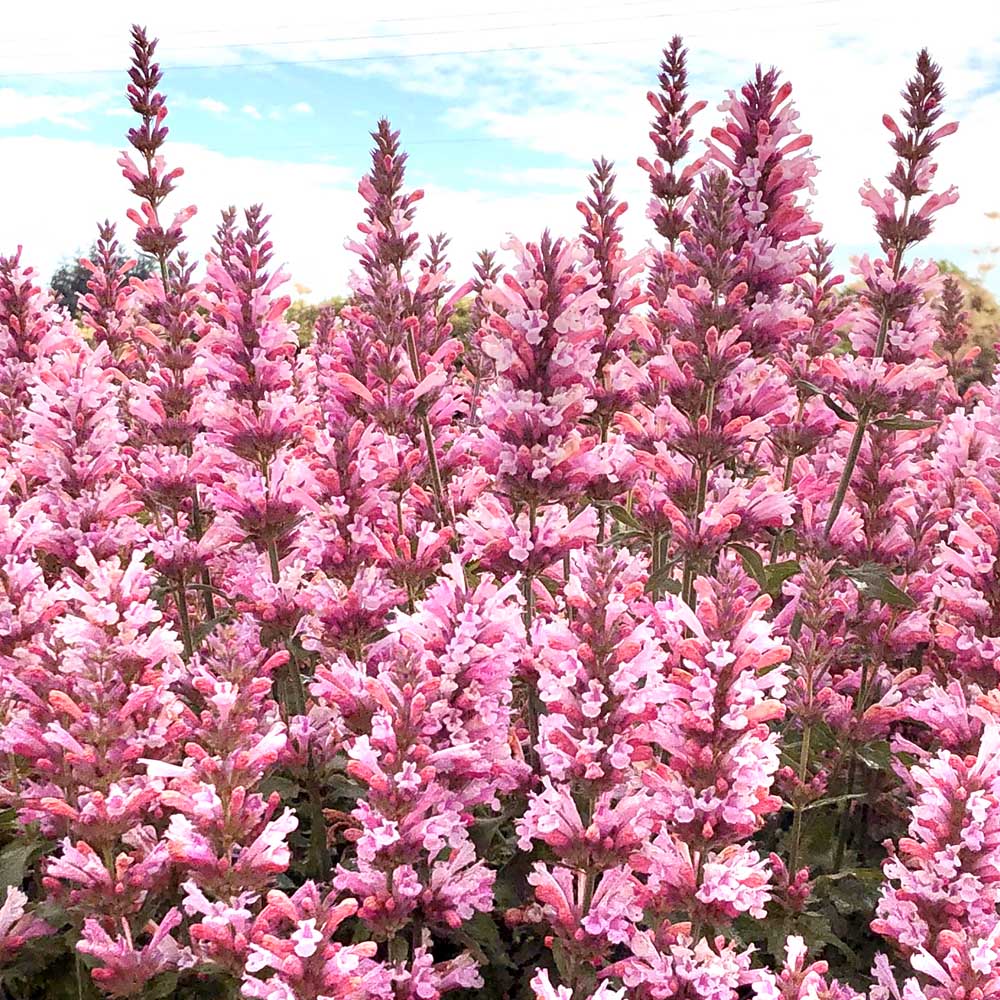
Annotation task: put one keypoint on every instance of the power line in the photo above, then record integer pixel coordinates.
(456, 15)
(330, 60)
(267, 43)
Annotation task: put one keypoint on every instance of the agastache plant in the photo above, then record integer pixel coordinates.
(150, 180)
(582, 622)
(900, 225)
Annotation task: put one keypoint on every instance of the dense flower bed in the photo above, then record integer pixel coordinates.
(641, 644)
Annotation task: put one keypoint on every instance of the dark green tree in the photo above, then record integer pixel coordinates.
(69, 281)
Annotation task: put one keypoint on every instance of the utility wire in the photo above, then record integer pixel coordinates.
(617, 19)
(326, 26)
(329, 60)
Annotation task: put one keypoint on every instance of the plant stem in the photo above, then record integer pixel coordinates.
(794, 854)
(435, 471)
(687, 587)
(846, 807)
(398, 949)
(436, 483)
(786, 485)
(185, 619)
(293, 702)
(206, 578)
(532, 705)
(865, 412)
(849, 463)
(272, 554)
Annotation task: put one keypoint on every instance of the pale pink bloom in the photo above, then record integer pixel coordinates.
(17, 926)
(125, 970)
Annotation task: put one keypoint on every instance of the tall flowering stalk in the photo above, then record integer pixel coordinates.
(164, 391)
(899, 228)
(713, 405)
(671, 136)
(264, 487)
(105, 306)
(92, 698)
(542, 334)
(30, 329)
(407, 339)
(940, 904)
(322, 674)
(424, 726)
(601, 683)
(617, 378)
(150, 181)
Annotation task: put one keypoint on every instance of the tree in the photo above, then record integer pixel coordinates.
(69, 281)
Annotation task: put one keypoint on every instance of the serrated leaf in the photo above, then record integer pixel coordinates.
(838, 409)
(877, 756)
(874, 582)
(820, 932)
(342, 787)
(777, 573)
(484, 830)
(483, 930)
(622, 516)
(752, 562)
(619, 538)
(901, 422)
(14, 859)
(287, 788)
(833, 800)
(662, 580)
(164, 985)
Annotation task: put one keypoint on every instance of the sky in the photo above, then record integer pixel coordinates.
(501, 108)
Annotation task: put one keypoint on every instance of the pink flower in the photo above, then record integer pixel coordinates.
(124, 969)
(544, 990)
(17, 927)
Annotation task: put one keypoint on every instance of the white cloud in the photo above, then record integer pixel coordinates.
(18, 109)
(313, 207)
(211, 105)
(301, 108)
(563, 82)
(296, 195)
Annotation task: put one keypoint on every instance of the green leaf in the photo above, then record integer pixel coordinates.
(776, 574)
(14, 860)
(482, 929)
(484, 830)
(832, 800)
(662, 580)
(342, 787)
(874, 582)
(811, 389)
(622, 516)
(752, 562)
(877, 756)
(162, 986)
(838, 409)
(870, 876)
(901, 422)
(205, 629)
(287, 788)
(819, 932)
(620, 538)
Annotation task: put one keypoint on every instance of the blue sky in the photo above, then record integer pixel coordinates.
(501, 109)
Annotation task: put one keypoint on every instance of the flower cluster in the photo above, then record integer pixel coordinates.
(611, 625)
